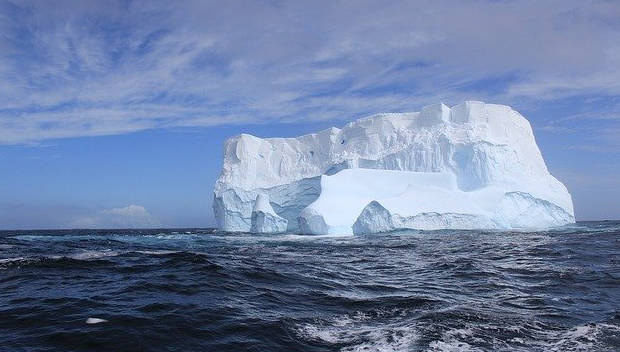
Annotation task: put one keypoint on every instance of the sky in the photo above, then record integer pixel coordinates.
(114, 113)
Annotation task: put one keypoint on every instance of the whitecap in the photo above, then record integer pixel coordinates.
(577, 339)
(95, 321)
(158, 252)
(93, 254)
(452, 345)
(360, 332)
(10, 260)
(452, 341)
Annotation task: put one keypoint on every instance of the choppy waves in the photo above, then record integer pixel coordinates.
(405, 291)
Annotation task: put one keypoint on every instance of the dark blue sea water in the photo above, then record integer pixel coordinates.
(200, 290)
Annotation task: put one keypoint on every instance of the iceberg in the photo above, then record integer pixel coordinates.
(472, 166)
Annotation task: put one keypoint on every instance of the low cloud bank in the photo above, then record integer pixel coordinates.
(131, 216)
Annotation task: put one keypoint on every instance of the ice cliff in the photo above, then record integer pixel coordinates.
(472, 166)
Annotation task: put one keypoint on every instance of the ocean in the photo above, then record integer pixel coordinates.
(203, 290)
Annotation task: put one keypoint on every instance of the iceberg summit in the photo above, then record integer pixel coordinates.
(472, 166)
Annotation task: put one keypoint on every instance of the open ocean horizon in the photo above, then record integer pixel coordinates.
(204, 290)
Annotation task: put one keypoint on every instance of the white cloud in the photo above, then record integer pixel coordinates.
(85, 68)
(132, 216)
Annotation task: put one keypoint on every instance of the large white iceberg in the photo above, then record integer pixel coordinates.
(472, 166)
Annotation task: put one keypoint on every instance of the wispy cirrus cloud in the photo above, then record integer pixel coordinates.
(85, 68)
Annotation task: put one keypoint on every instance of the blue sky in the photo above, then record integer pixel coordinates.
(114, 113)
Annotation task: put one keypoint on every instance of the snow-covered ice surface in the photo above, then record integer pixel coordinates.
(472, 166)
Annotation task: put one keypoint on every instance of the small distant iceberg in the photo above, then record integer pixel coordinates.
(472, 166)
